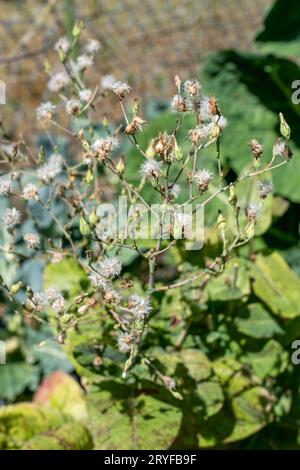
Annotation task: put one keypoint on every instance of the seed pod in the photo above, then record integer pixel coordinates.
(120, 166)
(221, 221)
(232, 195)
(84, 227)
(89, 177)
(93, 219)
(285, 129)
(250, 230)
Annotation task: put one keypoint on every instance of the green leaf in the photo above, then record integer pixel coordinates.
(276, 285)
(67, 276)
(270, 361)
(121, 422)
(17, 377)
(62, 392)
(70, 436)
(282, 22)
(20, 422)
(195, 381)
(230, 286)
(257, 322)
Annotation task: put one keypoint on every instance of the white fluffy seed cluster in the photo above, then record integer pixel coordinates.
(58, 81)
(109, 267)
(32, 240)
(73, 107)
(107, 82)
(139, 306)
(151, 168)
(30, 192)
(121, 89)
(265, 187)
(45, 111)
(103, 147)
(203, 176)
(48, 172)
(12, 217)
(5, 186)
(190, 98)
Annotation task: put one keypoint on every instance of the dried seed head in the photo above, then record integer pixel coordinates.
(179, 104)
(30, 192)
(59, 305)
(5, 186)
(192, 88)
(85, 95)
(12, 217)
(58, 81)
(125, 341)
(107, 82)
(32, 240)
(203, 178)
(256, 148)
(73, 107)
(282, 149)
(93, 46)
(111, 296)
(121, 89)
(110, 267)
(139, 306)
(265, 187)
(83, 62)
(251, 212)
(135, 125)
(151, 169)
(62, 45)
(45, 111)
(103, 147)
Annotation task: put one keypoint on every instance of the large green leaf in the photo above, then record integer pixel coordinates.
(229, 285)
(16, 377)
(270, 361)
(276, 285)
(20, 422)
(70, 436)
(256, 322)
(67, 276)
(282, 22)
(119, 421)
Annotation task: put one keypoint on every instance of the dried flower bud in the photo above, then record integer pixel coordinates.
(265, 187)
(192, 88)
(251, 212)
(256, 148)
(135, 125)
(282, 149)
(213, 105)
(179, 104)
(177, 81)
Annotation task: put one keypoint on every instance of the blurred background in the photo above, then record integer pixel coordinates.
(145, 42)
